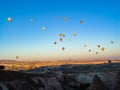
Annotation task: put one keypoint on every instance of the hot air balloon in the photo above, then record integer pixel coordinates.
(112, 42)
(17, 57)
(81, 21)
(63, 48)
(75, 34)
(85, 45)
(9, 19)
(103, 49)
(63, 35)
(55, 43)
(65, 19)
(98, 46)
(60, 34)
(89, 50)
(43, 28)
(96, 52)
(69, 39)
(61, 39)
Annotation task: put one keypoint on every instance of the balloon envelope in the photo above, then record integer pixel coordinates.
(85, 45)
(103, 49)
(65, 19)
(43, 28)
(63, 35)
(89, 50)
(96, 52)
(112, 42)
(75, 34)
(60, 34)
(81, 21)
(98, 46)
(9, 19)
(63, 48)
(69, 39)
(17, 57)
(55, 42)
(61, 39)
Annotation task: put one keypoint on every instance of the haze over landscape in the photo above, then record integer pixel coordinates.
(35, 25)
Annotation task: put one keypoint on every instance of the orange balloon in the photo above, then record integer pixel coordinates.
(60, 34)
(103, 49)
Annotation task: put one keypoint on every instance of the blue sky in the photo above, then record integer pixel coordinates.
(101, 24)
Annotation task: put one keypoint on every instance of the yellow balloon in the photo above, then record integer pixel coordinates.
(9, 19)
(17, 57)
(103, 49)
(60, 34)
(65, 19)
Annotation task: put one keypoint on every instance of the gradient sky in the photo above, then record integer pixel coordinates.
(101, 25)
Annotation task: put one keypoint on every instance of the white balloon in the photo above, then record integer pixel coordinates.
(43, 28)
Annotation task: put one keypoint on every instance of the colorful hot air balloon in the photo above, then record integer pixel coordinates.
(63, 48)
(61, 39)
(103, 49)
(9, 19)
(43, 28)
(81, 21)
(98, 46)
(55, 43)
